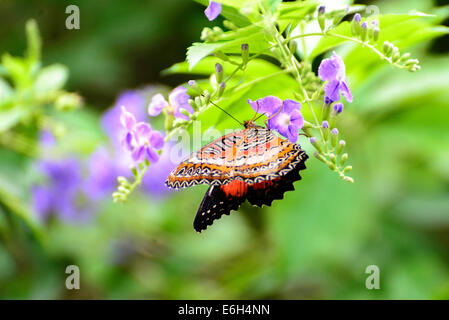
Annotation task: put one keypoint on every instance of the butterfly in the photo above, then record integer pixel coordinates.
(251, 164)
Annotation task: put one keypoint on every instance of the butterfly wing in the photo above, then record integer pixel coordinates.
(212, 164)
(215, 204)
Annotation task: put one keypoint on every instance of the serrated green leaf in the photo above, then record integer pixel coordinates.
(198, 51)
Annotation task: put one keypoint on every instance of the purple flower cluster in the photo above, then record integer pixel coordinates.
(283, 116)
(64, 185)
(333, 71)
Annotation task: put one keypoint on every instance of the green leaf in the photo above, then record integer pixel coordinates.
(5, 91)
(252, 35)
(17, 69)
(294, 12)
(274, 4)
(329, 42)
(51, 78)
(9, 118)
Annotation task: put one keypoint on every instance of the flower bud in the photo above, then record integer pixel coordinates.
(376, 32)
(364, 31)
(355, 25)
(198, 102)
(411, 62)
(122, 180)
(334, 137)
(230, 25)
(245, 53)
(218, 73)
(388, 48)
(320, 157)
(194, 86)
(333, 158)
(325, 129)
(321, 17)
(404, 57)
(348, 179)
(185, 112)
(68, 101)
(338, 108)
(221, 89)
(347, 169)
(343, 159)
(316, 144)
(396, 56)
(341, 145)
(123, 190)
(321, 10)
(205, 33)
(205, 98)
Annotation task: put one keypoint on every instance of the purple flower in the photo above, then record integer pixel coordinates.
(213, 10)
(333, 70)
(157, 104)
(325, 124)
(357, 17)
(288, 121)
(134, 102)
(268, 105)
(338, 108)
(60, 193)
(283, 116)
(140, 139)
(178, 100)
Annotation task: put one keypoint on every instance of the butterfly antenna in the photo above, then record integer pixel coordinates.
(260, 116)
(227, 113)
(255, 114)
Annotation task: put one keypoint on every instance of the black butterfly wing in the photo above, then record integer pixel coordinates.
(215, 204)
(264, 193)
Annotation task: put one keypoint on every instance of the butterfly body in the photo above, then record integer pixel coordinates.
(251, 164)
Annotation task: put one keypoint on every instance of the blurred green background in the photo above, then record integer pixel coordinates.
(316, 243)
